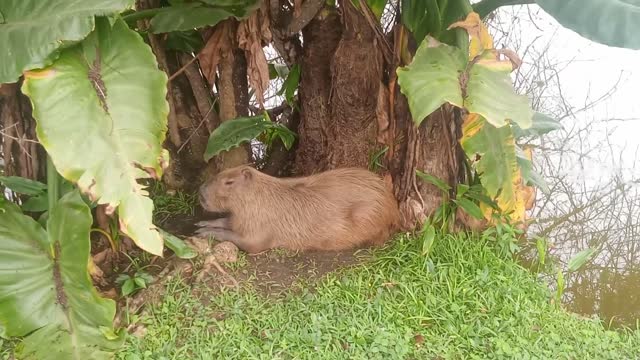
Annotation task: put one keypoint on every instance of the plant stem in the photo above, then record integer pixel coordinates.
(53, 184)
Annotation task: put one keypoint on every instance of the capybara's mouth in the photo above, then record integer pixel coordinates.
(216, 214)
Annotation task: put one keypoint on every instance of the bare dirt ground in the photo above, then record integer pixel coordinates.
(276, 270)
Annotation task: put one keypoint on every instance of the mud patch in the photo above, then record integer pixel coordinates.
(278, 270)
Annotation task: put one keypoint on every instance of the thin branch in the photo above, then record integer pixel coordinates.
(3, 133)
(182, 69)
(485, 7)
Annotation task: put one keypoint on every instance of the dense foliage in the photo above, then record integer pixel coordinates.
(100, 103)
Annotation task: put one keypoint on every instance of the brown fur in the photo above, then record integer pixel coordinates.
(332, 210)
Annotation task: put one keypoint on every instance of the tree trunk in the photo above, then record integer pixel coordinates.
(234, 98)
(191, 112)
(350, 110)
(321, 37)
(356, 78)
(22, 155)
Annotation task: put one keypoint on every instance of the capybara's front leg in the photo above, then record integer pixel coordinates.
(241, 242)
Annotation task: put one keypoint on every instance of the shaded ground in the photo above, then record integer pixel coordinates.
(276, 270)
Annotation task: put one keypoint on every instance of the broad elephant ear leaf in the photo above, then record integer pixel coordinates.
(22, 185)
(102, 116)
(415, 17)
(31, 31)
(45, 289)
(188, 16)
(179, 247)
(541, 124)
(500, 174)
(432, 78)
(234, 132)
(490, 93)
(529, 175)
(609, 22)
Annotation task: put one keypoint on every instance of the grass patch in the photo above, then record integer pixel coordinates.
(464, 301)
(170, 203)
(6, 348)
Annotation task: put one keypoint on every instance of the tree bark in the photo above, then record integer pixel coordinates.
(21, 153)
(321, 39)
(356, 77)
(234, 97)
(349, 108)
(190, 112)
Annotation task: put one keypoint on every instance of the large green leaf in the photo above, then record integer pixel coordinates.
(179, 247)
(102, 116)
(40, 202)
(610, 22)
(31, 31)
(541, 124)
(414, 17)
(189, 16)
(529, 175)
(22, 185)
(237, 131)
(450, 12)
(45, 288)
(437, 182)
(439, 74)
(376, 6)
(432, 79)
(186, 41)
(290, 84)
(490, 93)
(233, 133)
(497, 165)
(469, 207)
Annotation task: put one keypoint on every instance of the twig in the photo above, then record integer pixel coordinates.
(3, 133)
(204, 118)
(182, 69)
(485, 7)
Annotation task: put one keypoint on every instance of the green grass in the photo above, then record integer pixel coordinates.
(168, 204)
(462, 302)
(6, 348)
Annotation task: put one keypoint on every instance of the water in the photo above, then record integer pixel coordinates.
(607, 286)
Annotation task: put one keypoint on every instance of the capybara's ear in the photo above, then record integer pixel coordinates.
(246, 174)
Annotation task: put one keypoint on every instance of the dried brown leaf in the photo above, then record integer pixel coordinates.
(212, 51)
(252, 32)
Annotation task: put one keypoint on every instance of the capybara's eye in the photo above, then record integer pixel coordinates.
(228, 182)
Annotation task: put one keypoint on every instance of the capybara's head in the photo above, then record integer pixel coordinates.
(219, 193)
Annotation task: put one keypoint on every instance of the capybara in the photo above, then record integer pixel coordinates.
(333, 210)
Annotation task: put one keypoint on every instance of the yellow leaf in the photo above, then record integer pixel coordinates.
(471, 125)
(39, 74)
(480, 38)
(514, 204)
(491, 59)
